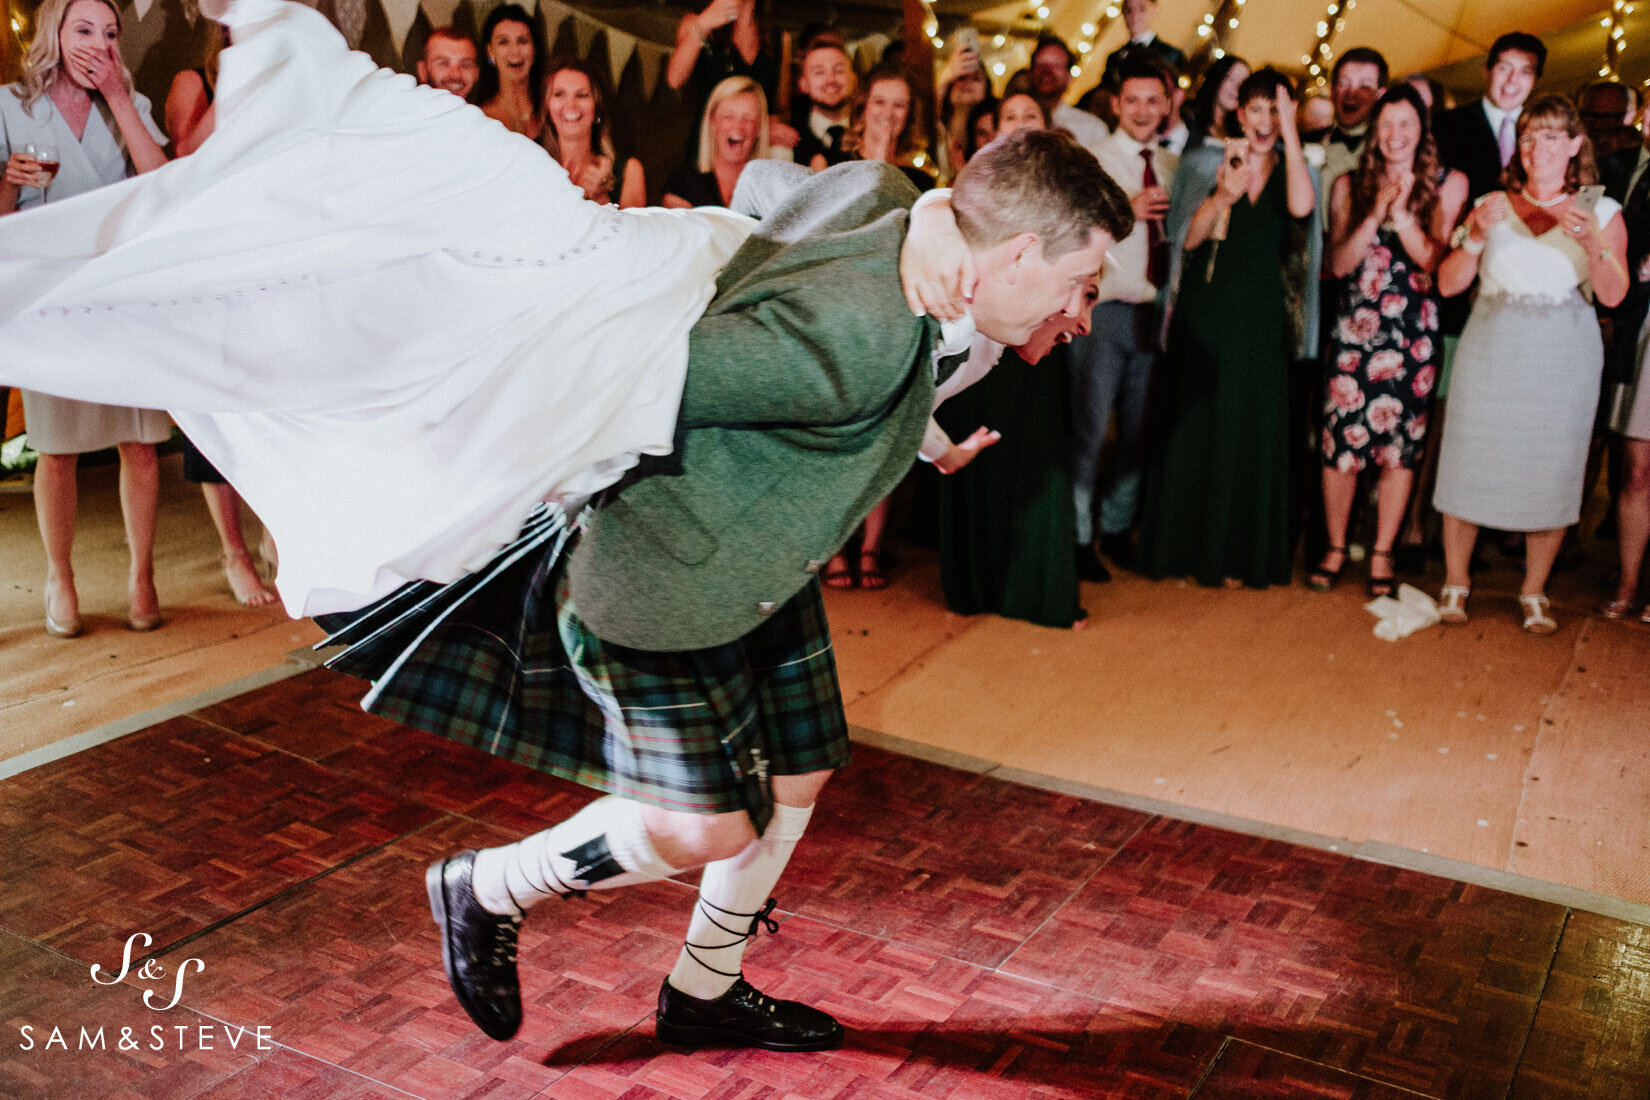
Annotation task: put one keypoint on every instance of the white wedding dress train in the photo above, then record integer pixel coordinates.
(391, 323)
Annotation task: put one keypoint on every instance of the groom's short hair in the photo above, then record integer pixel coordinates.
(1043, 182)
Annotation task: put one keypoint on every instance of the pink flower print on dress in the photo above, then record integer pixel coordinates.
(1361, 327)
(1348, 462)
(1392, 305)
(1421, 350)
(1384, 414)
(1328, 443)
(1424, 379)
(1418, 426)
(1420, 282)
(1429, 316)
(1391, 457)
(1356, 436)
(1348, 361)
(1345, 394)
(1386, 365)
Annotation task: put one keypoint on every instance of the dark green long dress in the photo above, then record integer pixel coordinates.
(1217, 497)
(1006, 519)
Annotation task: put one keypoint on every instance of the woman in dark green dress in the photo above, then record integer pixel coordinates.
(1005, 521)
(1217, 497)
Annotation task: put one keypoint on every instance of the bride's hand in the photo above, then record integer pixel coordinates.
(936, 267)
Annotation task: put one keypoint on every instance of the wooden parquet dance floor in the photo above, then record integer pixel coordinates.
(978, 938)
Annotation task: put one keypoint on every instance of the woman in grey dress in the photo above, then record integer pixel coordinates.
(1525, 383)
(75, 106)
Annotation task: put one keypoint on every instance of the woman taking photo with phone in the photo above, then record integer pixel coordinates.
(75, 105)
(1217, 497)
(1525, 382)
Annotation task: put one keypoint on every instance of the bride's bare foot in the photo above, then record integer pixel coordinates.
(244, 581)
(143, 603)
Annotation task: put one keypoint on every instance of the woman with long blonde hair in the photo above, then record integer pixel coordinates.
(71, 125)
(732, 133)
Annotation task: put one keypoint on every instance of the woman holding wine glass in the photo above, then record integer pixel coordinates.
(75, 105)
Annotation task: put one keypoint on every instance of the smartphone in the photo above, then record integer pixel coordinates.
(1587, 197)
(1235, 152)
(968, 39)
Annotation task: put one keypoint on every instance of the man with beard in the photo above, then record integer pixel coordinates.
(449, 62)
(1051, 65)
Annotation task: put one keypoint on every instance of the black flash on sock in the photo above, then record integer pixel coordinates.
(593, 861)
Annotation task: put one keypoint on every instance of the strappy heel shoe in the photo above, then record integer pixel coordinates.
(1452, 603)
(1536, 618)
(1382, 586)
(1324, 579)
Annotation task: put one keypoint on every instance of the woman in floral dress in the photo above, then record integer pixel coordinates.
(1389, 220)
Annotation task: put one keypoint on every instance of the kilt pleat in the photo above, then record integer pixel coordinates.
(500, 660)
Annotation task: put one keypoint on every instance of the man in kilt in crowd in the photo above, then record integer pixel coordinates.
(670, 648)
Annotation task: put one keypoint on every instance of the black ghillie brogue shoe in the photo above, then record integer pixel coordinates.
(478, 948)
(743, 1017)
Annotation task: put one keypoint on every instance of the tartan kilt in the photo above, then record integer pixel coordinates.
(501, 660)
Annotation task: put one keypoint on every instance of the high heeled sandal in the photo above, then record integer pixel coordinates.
(1323, 579)
(70, 629)
(1536, 619)
(1616, 609)
(1382, 586)
(1452, 603)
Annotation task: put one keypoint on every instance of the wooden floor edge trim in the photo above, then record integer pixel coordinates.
(96, 736)
(1373, 851)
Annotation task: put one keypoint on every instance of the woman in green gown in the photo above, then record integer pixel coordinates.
(1006, 520)
(1217, 496)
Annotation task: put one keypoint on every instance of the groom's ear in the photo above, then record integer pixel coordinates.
(1019, 250)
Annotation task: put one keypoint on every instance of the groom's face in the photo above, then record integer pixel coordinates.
(1020, 288)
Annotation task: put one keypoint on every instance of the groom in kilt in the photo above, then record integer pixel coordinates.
(669, 646)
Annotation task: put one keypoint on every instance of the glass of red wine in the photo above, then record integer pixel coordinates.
(45, 155)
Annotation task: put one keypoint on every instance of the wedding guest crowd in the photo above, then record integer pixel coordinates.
(1371, 249)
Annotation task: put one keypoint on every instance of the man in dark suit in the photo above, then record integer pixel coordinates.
(1141, 18)
(703, 687)
(1482, 136)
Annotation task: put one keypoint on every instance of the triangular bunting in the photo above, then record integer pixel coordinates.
(652, 60)
(620, 47)
(585, 31)
(400, 15)
(440, 12)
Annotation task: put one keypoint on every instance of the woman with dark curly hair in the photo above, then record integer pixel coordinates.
(1389, 221)
(1525, 382)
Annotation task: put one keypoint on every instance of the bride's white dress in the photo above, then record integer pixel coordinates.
(391, 323)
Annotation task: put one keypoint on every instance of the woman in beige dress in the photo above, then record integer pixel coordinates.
(75, 106)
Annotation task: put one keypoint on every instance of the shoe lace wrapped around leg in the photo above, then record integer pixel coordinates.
(761, 920)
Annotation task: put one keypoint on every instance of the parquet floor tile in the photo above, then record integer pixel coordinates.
(41, 990)
(1249, 1072)
(291, 1076)
(946, 860)
(171, 829)
(1592, 1033)
(348, 970)
(979, 940)
(1421, 982)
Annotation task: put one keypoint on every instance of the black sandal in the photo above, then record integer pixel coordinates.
(1323, 579)
(1382, 586)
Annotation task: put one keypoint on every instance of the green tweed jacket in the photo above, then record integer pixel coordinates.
(809, 384)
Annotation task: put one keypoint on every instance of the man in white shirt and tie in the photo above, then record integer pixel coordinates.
(1051, 64)
(1111, 368)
